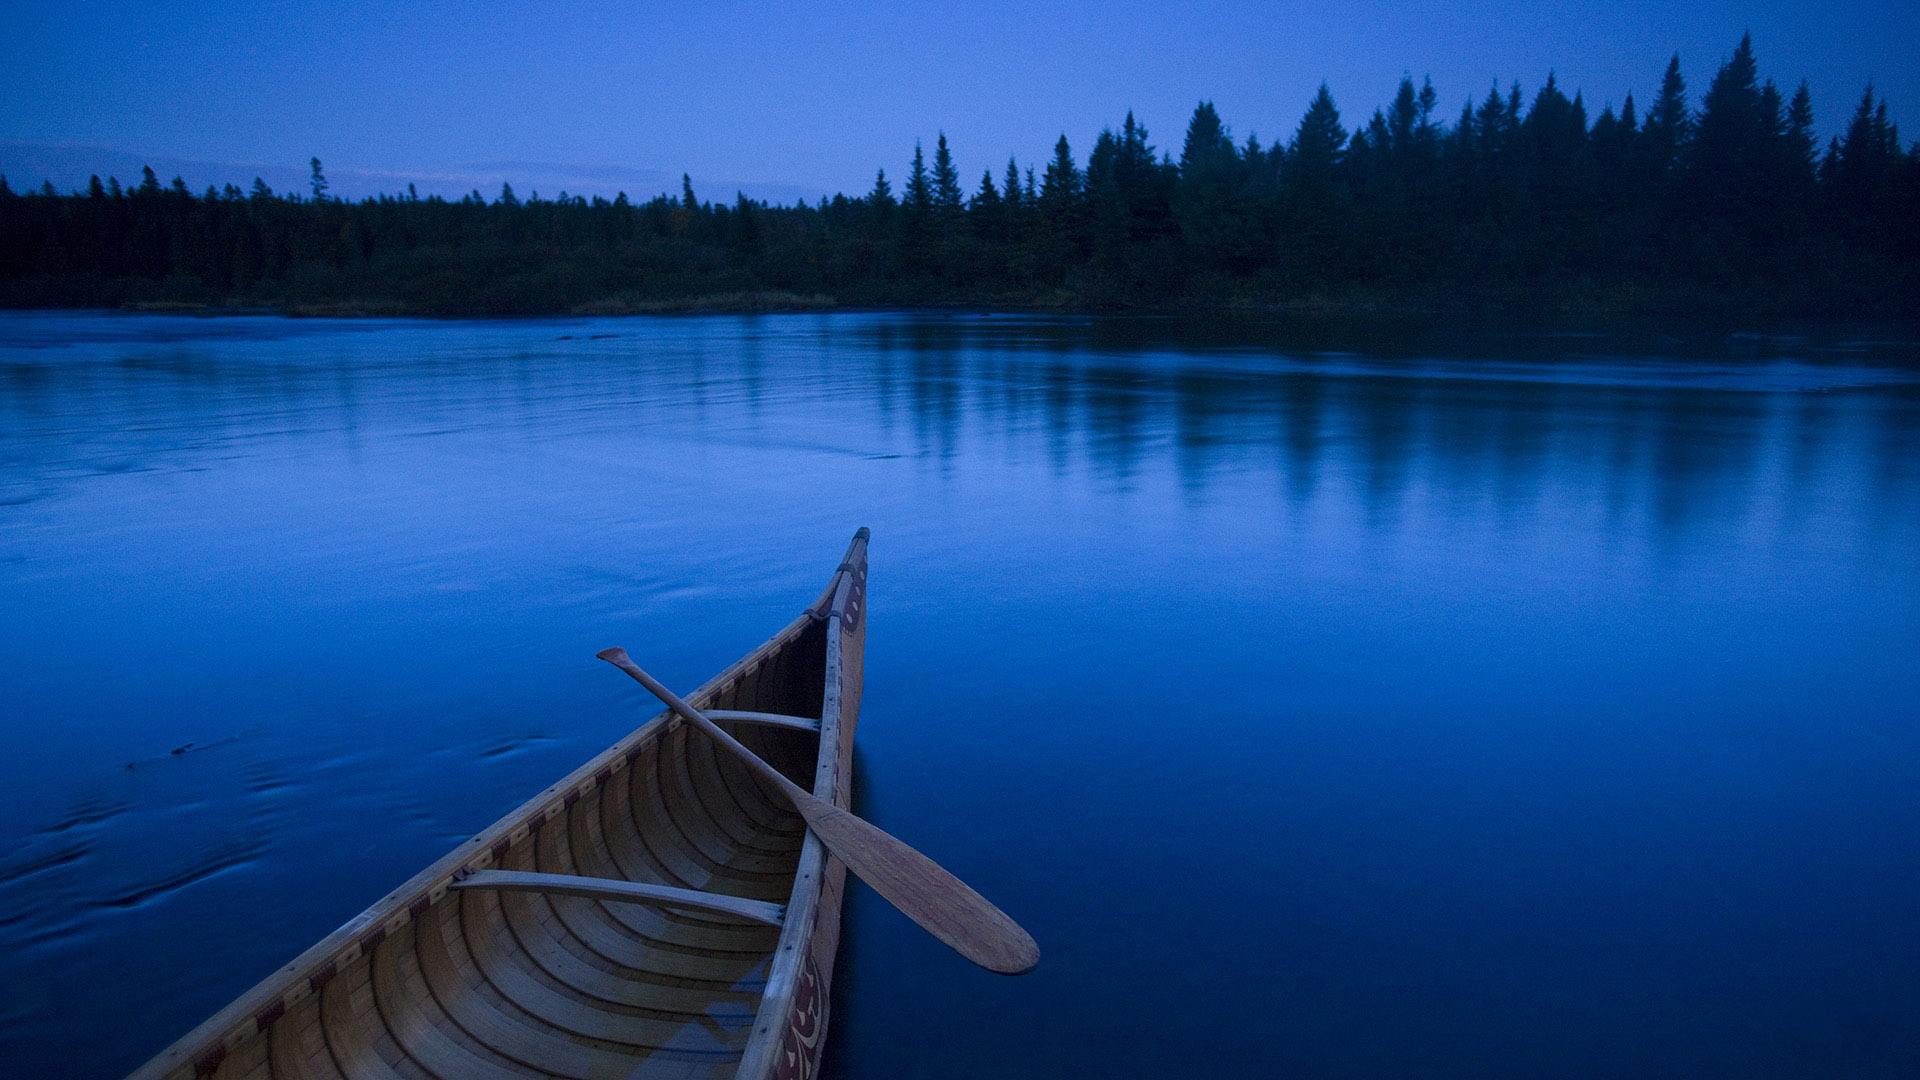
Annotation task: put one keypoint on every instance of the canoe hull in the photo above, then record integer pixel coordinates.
(434, 981)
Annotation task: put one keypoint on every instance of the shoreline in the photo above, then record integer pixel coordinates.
(1386, 329)
(1516, 308)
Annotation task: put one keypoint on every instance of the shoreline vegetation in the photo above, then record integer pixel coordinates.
(1517, 210)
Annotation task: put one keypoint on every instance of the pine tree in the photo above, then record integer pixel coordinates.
(987, 211)
(946, 180)
(881, 197)
(688, 201)
(1312, 245)
(988, 196)
(1402, 117)
(1060, 189)
(1669, 125)
(1729, 138)
(1319, 145)
(919, 196)
(1206, 195)
(1803, 146)
(318, 181)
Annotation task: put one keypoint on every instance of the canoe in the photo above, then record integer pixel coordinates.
(660, 912)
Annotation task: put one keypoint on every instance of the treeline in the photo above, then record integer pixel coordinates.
(1668, 208)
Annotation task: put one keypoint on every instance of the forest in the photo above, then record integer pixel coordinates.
(1515, 204)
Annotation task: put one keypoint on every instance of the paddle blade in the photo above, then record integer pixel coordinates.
(942, 904)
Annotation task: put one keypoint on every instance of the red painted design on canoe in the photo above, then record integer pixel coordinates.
(799, 1057)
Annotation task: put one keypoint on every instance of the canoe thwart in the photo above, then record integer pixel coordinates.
(800, 723)
(625, 892)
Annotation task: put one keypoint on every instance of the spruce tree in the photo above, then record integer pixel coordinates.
(919, 195)
(947, 197)
(1060, 189)
(1802, 145)
(1669, 124)
(1206, 195)
(1319, 144)
(1727, 150)
(1312, 244)
(987, 211)
(988, 196)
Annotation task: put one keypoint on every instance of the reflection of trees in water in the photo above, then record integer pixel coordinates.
(1122, 402)
(1895, 438)
(1634, 454)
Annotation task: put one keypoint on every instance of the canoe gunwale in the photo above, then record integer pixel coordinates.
(200, 1051)
(792, 951)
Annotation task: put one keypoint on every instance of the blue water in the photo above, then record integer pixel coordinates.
(1540, 708)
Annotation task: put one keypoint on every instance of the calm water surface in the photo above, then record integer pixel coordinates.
(1528, 711)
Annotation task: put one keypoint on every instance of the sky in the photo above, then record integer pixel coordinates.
(795, 100)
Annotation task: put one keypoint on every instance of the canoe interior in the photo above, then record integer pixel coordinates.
(438, 982)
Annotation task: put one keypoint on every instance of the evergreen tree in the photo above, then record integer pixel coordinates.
(1669, 125)
(1059, 200)
(1309, 245)
(1206, 197)
(318, 181)
(1319, 145)
(1727, 153)
(919, 198)
(946, 180)
(1802, 145)
(987, 213)
(988, 196)
(1060, 190)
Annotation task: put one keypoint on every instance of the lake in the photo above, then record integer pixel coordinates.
(1515, 707)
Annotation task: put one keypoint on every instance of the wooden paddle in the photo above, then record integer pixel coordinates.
(942, 904)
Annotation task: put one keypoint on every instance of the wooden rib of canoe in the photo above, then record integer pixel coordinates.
(660, 912)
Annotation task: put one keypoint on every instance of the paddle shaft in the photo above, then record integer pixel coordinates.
(699, 719)
(942, 904)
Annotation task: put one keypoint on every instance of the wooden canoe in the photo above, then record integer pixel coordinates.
(660, 912)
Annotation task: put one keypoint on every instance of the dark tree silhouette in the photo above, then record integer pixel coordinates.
(1522, 202)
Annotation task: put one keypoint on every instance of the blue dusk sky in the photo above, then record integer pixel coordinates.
(797, 99)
